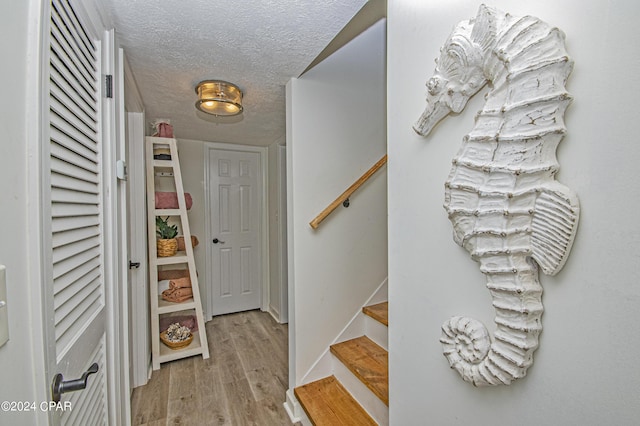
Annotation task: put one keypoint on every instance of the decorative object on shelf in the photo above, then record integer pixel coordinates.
(162, 128)
(169, 200)
(219, 98)
(188, 321)
(179, 290)
(166, 242)
(170, 274)
(181, 245)
(501, 196)
(176, 336)
(161, 154)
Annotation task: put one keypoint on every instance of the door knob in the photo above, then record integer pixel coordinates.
(216, 241)
(134, 265)
(60, 386)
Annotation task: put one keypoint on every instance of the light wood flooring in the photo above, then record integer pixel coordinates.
(242, 383)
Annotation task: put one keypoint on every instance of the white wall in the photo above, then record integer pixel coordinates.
(22, 373)
(335, 132)
(585, 370)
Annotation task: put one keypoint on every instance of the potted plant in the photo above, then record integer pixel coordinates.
(167, 243)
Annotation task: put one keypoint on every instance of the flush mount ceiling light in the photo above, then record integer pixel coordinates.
(219, 98)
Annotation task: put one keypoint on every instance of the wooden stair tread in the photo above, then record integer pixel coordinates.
(379, 312)
(368, 362)
(327, 403)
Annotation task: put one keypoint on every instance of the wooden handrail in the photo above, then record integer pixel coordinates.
(346, 194)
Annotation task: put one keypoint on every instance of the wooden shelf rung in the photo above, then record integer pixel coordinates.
(173, 260)
(163, 163)
(166, 307)
(167, 212)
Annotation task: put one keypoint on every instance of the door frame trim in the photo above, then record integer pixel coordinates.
(264, 218)
(36, 104)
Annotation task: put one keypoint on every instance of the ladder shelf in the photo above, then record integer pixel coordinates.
(160, 307)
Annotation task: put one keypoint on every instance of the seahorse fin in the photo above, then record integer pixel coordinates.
(554, 226)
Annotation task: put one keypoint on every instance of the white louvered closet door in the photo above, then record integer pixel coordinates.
(74, 225)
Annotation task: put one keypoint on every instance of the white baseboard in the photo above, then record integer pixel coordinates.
(293, 408)
(274, 314)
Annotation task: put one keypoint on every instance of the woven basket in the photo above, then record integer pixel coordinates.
(167, 248)
(175, 345)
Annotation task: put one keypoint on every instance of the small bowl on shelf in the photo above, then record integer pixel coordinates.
(175, 345)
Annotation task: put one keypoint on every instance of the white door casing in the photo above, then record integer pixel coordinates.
(282, 234)
(117, 247)
(77, 219)
(235, 196)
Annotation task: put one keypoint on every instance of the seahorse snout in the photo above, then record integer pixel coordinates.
(433, 113)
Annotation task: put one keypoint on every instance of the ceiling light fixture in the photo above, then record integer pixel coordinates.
(219, 98)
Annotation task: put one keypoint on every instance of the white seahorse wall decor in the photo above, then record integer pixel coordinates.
(501, 196)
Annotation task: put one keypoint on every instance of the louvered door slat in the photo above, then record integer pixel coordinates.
(75, 103)
(72, 132)
(79, 32)
(79, 234)
(72, 85)
(71, 151)
(70, 170)
(63, 62)
(61, 48)
(65, 112)
(64, 181)
(83, 274)
(79, 276)
(76, 313)
(70, 223)
(69, 42)
(75, 305)
(77, 247)
(60, 195)
(83, 282)
(69, 264)
(64, 210)
(67, 82)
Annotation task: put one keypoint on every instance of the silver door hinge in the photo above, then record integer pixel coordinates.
(108, 79)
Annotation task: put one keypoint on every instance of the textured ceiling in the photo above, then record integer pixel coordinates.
(257, 44)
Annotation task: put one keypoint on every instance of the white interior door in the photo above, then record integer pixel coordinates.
(234, 185)
(139, 328)
(73, 216)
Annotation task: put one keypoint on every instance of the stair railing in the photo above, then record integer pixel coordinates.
(344, 197)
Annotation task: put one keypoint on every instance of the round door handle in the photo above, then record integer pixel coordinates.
(216, 241)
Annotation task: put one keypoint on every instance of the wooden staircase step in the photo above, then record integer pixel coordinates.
(368, 362)
(379, 312)
(327, 403)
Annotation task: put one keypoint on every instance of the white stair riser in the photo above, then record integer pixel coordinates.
(377, 332)
(371, 403)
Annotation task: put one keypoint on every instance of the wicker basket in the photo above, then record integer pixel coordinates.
(175, 345)
(167, 248)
